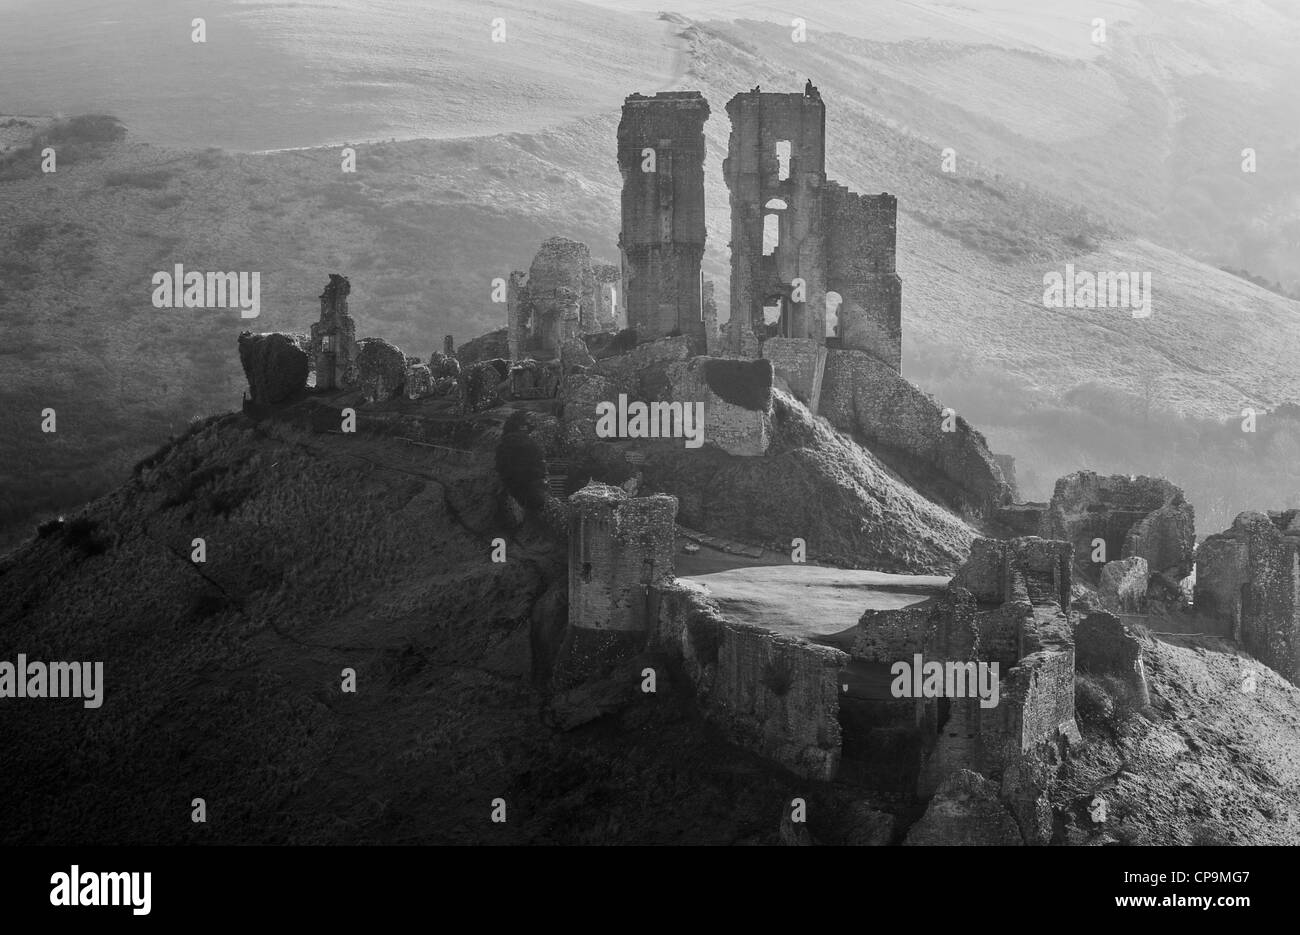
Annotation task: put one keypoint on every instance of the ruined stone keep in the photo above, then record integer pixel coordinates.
(788, 222)
(662, 237)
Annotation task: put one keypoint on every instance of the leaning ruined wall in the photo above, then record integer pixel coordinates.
(861, 243)
(801, 363)
(1103, 645)
(780, 697)
(619, 548)
(663, 225)
(772, 694)
(867, 397)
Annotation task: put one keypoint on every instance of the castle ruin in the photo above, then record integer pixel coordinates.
(661, 158)
(810, 260)
(334, 338)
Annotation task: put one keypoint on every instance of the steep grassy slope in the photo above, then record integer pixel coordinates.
(223, 678)
(818, 485)
(1207, 763)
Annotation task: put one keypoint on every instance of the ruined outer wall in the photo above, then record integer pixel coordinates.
(1103, 645)
(771, 694)
(618, 549)
(861, 244)
(663, 229)
(779, 696)
(864, 395)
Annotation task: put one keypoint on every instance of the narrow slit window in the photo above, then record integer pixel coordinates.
(782, 160)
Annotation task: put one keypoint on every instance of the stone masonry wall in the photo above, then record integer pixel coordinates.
(772, 694)
(735, 429)
(663, 227)
(901, 425)
(801, 362)
(619, 547)
(1251, 572)
(1133, 515)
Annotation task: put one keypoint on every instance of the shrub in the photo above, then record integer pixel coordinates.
(82, 535)
(521, 465)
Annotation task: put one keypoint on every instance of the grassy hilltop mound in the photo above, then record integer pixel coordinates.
(326, 552)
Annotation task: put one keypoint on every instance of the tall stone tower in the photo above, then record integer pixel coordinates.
(799, 238)
(775, 170)
(661, 157)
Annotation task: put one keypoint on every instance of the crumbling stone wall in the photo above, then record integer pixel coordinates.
(772, 694)
(1103, 645)
(779, 696)
(490, 346)
(275, 365)
(554, 302)
(830, 238)
(1023, 569)
(334, 338)
(902, 426)
(1134, 515)
(619, 548)
(663, 228)
(801, 363)
(736, 429)
(860, 267)
(1005, 606)
(1248, 579)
